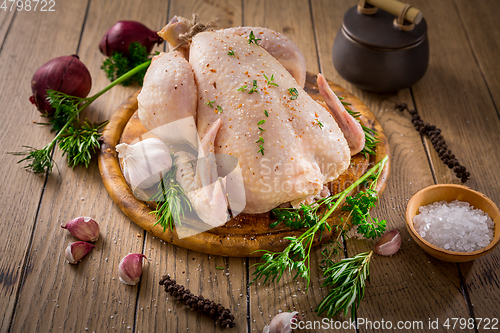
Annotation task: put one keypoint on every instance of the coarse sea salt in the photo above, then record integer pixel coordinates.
(454, 226)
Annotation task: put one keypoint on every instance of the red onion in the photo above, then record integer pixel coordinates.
(119, 37)
(66, 74)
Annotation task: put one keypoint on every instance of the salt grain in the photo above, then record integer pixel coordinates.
(454, 226)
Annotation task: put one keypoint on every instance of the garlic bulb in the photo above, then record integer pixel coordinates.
(145, 162)
(83, 228)
(281, 323)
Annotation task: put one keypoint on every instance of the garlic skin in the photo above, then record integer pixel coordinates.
(145, 162)
(130, 268)
(77, 250)
(84, 228)
(389, 243)
(281, 323)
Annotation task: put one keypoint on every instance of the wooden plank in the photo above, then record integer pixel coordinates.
(460, 104)
(482, 31)
(410, 285)
(6, 18)
(24, 50)
(266, 301)
(57, 296)
(159, 311)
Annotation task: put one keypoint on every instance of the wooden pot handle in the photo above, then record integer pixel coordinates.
(394, 7)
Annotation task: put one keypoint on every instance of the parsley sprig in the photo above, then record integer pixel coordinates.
(118, 64)
(296, 256)
(77, 141)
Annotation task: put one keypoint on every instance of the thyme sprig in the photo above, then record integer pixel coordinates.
(296, 256)
(171, 201)
(65, 121)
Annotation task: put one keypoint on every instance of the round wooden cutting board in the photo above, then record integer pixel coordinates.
(246, 233)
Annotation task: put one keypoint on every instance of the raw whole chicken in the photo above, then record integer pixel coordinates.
(243, 87)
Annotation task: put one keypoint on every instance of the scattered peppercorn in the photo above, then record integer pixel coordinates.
(208, 307)
(438, 142)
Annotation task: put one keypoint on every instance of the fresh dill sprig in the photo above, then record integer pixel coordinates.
(40, 160)
(294, 93)
(348, 278)
(270, 81)
(118, 64)
(296, 256)
(252, 38)
(371, 136)
(244, 88)
(231, 53)
(80, 142)
(171, 201)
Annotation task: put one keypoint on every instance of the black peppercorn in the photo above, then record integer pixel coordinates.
(216, 311)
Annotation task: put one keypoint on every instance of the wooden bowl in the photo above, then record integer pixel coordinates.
(448, 193)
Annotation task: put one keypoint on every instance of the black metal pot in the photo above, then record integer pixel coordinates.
(373, 54)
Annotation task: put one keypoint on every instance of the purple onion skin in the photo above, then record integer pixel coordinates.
(120, 35)
(66, 74)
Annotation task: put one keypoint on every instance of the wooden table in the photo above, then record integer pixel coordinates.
(40, 292)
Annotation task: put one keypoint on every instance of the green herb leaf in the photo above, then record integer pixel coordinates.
(261, 122)
(219, 109)
(270, 81)
(261, 149)
(265, 112)
(210, 103)
(254, 88)
(231, 53)
(244, 88)
(261, 140)
(252, 38)
(219, 268)
(320, 124)
(294, 93)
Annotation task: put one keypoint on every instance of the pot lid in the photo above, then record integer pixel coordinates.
(377, 30)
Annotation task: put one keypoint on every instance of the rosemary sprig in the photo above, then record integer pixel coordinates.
(171, 201)
(371, 136)
(40, 160)
(296, 256)
(348, 278)
(254, 88)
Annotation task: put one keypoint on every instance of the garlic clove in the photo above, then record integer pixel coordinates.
(145, 162)
(83, 228)
(389, 243)
(130, 268)
(77, 250)
(281, 323)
